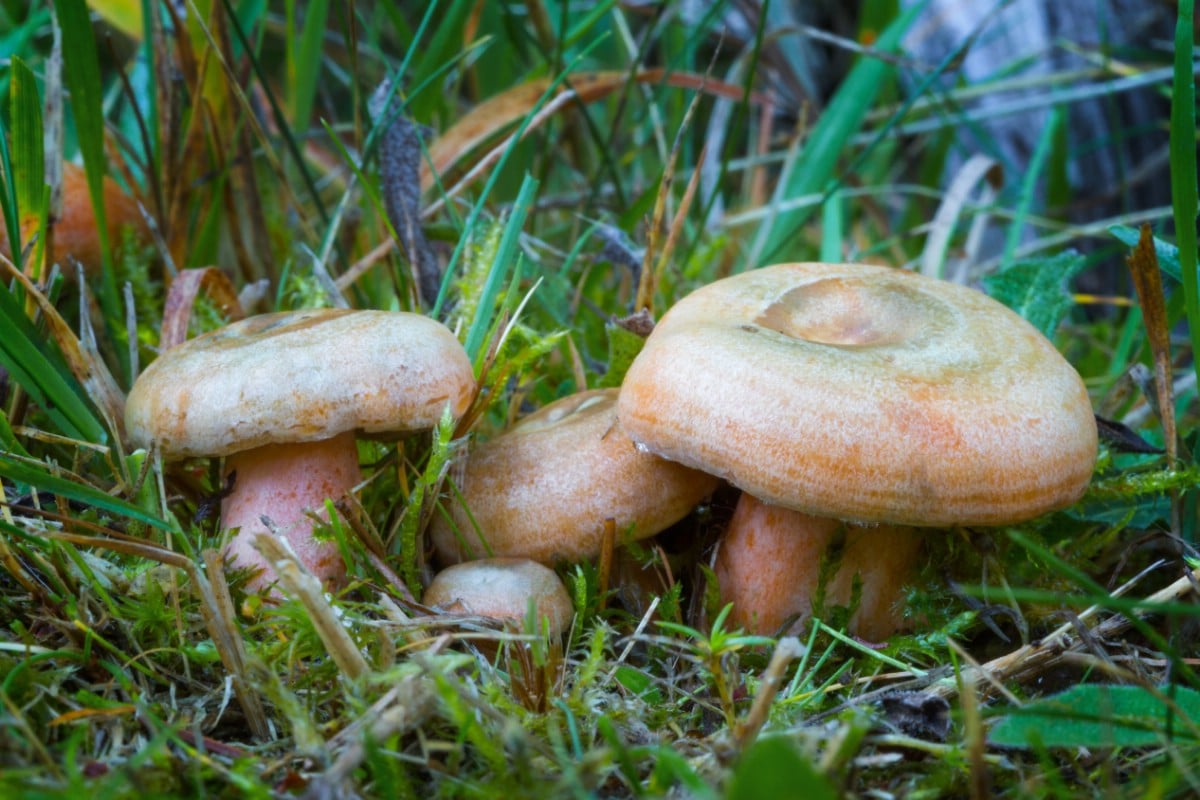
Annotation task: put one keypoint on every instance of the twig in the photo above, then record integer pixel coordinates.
(1050, 651)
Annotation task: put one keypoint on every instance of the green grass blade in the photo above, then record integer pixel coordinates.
(42, 374)
(841, 119)
(26, 472)
(832, 227)
(29, 172)
(506, 255)
(1183, 169)
(1029, 184)
(8, 189)
(306, 62)
(81, 72)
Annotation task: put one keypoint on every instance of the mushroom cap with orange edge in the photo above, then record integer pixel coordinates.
(75, 231)
(501, 588)
(545, 488)
(299, 376)
(866, 394)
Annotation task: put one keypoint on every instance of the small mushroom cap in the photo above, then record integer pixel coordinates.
(299, 376)
(500, 588)
(544, 488)
(864, 393)
(75, 231)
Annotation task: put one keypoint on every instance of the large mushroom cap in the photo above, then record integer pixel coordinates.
(299, 376)
(864, 393)
(544, 488)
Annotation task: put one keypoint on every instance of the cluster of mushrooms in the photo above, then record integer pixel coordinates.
(853, 405)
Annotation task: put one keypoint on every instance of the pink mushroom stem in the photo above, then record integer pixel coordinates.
(284, 482)
(769, 566)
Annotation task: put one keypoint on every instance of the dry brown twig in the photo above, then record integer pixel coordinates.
(1050, 651)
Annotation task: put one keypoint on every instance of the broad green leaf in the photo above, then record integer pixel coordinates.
(773, 767)
(22, 471)
(1099, 716)
(1037, 288)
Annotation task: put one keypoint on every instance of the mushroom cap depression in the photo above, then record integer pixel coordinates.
(544, 488)
(299, 376)
(866, 394)
(501, 588)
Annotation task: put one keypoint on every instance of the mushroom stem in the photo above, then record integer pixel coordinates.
(283, 482)
(769, 567)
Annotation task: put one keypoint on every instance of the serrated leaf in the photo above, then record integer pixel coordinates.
(1099, 716)
(774, 768)
(1037, 288)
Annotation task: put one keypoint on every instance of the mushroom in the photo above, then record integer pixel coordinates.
(771, 559)
(864, 394)
(75, 233)
(545, 488)
(281, 397)
(503, 589)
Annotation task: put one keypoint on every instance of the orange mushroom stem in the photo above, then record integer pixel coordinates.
(773, 563)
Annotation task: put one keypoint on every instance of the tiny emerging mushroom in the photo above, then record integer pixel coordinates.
(503, 589)
(281, 397)
(862, 394)
(545, 488)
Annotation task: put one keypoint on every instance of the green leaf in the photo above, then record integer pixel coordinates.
(81, 72)
(1099, 716)
(1168, 254)
(773, 767)
(1037, 288)
(623, 347)
(507, 253)
(29, 173)
(638, 683)
(1029, 184)
(40, 371)
(306, 62)
(23, 471)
